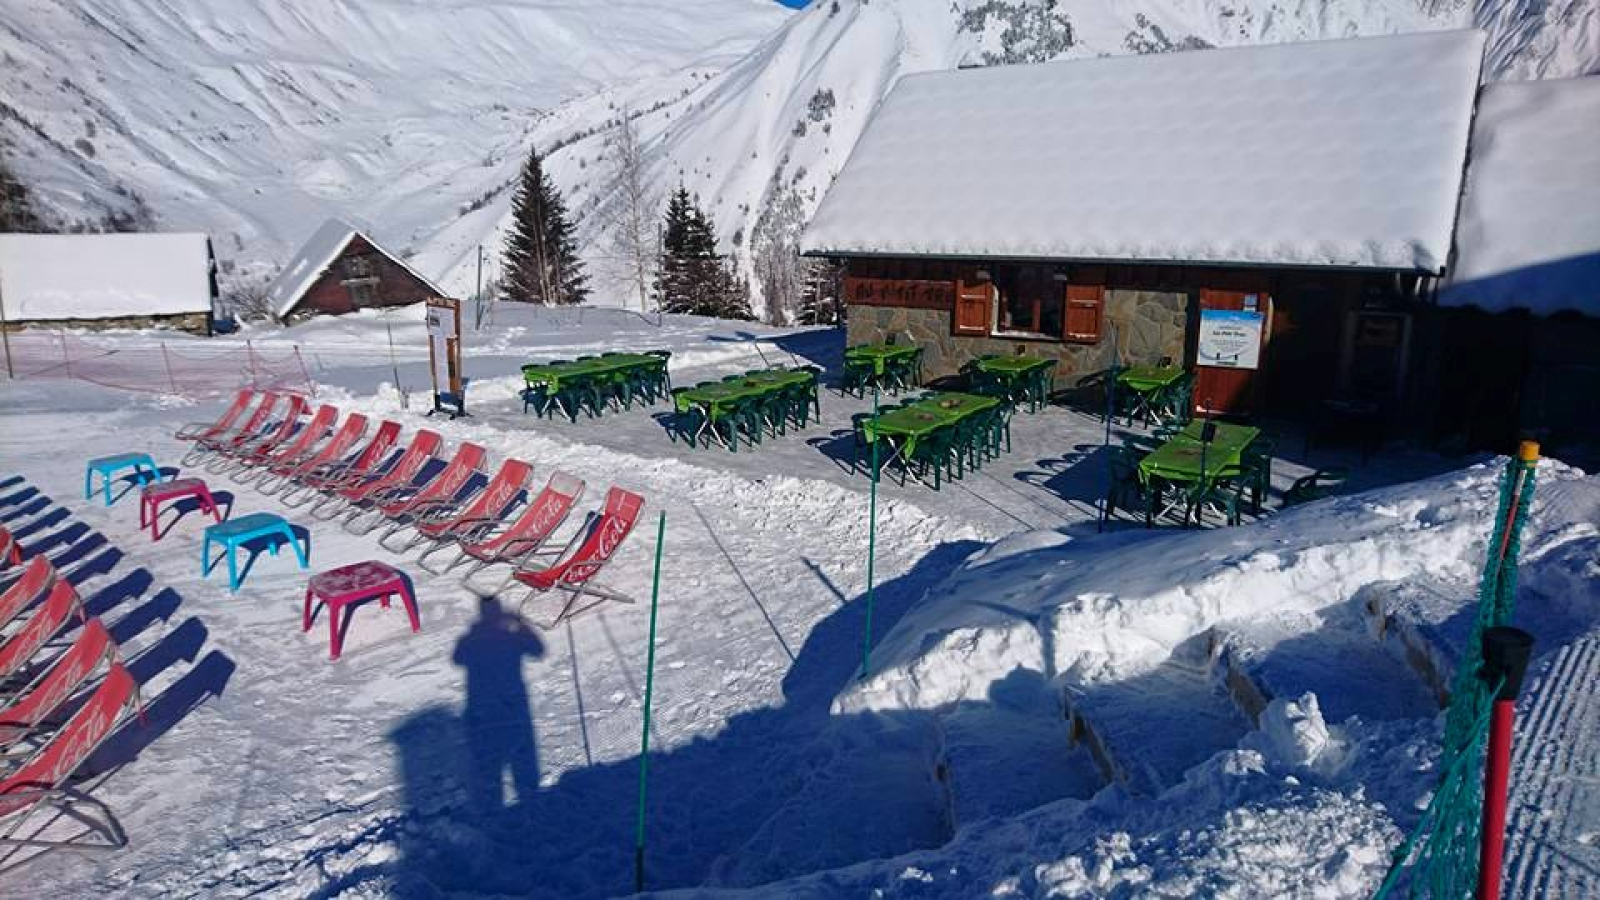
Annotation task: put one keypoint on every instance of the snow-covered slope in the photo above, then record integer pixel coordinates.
(256, 121)
(762, 141)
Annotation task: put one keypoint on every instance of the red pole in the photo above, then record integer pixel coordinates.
(1505, 661)
(1496, 780)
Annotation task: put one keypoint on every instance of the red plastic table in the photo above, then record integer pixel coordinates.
(152, 496)
(350, 585)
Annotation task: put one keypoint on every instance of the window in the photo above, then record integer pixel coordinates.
(1028, 303)
(358, 266)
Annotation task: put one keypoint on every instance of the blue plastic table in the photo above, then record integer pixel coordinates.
(232, 533)
(108, 466)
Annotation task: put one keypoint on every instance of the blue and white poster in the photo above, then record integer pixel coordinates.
(1230, 339)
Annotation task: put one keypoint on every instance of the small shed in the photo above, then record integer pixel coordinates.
(340, 270)
(126, 280)
(1049, 208)
(1518, 325)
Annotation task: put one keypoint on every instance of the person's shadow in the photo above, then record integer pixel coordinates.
(497, 723)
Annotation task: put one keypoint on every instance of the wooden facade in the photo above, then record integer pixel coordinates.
(1327, 332)
(362, 276)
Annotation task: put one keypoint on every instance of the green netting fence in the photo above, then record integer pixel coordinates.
(1439, 859)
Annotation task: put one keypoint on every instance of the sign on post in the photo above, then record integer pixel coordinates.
(444, 356)
(1229, 339)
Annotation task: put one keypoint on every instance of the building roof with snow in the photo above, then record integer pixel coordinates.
(1529, 235)
(314, 257)
(1332, 153)
(50, 277)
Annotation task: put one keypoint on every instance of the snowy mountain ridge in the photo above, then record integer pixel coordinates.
(255, 125)
(762, 141)
(255, 122)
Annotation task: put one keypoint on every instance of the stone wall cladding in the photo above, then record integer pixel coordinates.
(194, 323)
(1147, 324)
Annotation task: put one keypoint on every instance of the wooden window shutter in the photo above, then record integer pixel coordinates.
(1085, 313)
(972, 308)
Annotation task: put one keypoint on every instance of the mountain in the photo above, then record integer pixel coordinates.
(255, 121)
(762, 140)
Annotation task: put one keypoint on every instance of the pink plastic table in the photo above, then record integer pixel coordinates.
(349, 585)
(152, 496)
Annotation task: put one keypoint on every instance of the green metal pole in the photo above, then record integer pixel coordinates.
(649, 687)
(872, 540)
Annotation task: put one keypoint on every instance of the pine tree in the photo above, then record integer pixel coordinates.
(16, 206)
(541, 262)
(673, 276)
(691, 277)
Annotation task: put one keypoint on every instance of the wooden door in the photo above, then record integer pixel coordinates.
(1231, 391)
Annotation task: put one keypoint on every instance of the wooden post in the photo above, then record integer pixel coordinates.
(5, 338)
(167, 361)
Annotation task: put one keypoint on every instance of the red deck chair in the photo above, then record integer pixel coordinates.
(10, 550)
(194, 431)
(41, 782)
(343, 472)
(28, 718)
(34, 585)
(364, 493)
(520, 540)
(300, 448)
(228, 438)
(415, 500)
(574, 573)
(43, 625)
(282, 475)
(276, 437)
(491, 505)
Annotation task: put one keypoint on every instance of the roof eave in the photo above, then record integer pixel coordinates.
(1117, 261)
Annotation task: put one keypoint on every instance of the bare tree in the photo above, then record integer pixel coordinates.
(633, 228)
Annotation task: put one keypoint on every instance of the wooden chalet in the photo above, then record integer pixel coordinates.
(341, 270)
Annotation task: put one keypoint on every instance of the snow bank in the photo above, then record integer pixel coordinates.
(1529, 236)
(102, 276)
(1278, 155)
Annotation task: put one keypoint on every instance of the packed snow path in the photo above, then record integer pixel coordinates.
(481, 757)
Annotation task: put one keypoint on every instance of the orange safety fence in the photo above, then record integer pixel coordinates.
(155, 367)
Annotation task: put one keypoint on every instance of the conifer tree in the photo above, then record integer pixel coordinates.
(541, 262)
(16, 206)
(691, 277)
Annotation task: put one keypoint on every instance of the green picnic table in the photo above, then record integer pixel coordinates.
(1179, 458)
(1149, 379)
(880, 354)
(918, 420)
(616, 363)
(1032, 374)
(1147, 384)
(716, 396)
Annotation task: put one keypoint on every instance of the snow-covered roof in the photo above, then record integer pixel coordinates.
(1529, 235)
(314, 257)
(1329, 153)
(104, 276)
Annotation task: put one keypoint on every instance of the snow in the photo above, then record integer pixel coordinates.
(1529, 235)
(313, 257)
(278, 116)
(1048, 709)
(1274, 155)
(99, 276)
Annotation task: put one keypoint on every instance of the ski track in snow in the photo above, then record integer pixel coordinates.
(1553, 832)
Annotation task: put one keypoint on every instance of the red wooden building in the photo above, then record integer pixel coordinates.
(340, 270)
